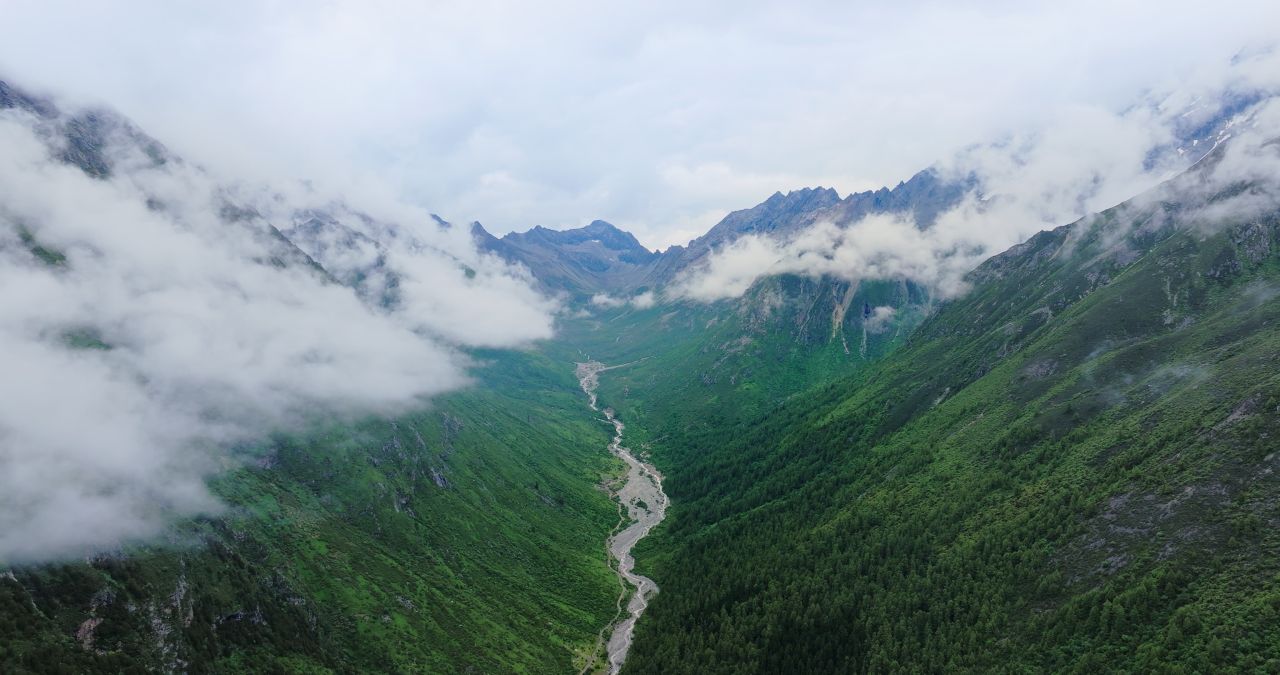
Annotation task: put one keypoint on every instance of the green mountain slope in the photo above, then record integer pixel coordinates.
(464, 536)
(1072, 466)
(713, 365)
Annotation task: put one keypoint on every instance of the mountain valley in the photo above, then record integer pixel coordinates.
(1064, 462)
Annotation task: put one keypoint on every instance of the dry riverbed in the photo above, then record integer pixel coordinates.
(641, 495)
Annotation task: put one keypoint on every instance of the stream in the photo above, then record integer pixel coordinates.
(645, 503)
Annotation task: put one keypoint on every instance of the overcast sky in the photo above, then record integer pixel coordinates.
(659, 118)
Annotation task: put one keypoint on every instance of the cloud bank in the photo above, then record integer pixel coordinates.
(643, 300)
(658, 117)
(154, 320)
(1082, 161)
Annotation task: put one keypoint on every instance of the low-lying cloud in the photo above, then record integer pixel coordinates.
(1084, 161)
(643, 300)
(152, 320)
(656, 116)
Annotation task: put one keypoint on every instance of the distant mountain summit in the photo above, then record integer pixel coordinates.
(779, 213)
(923, 197)
(598, 258)
(601, 258)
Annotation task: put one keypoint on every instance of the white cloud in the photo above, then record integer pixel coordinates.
(1083, 160)
(211, 344)
(877, 247)
(880, 320)
(643, 300)
(562, 112)
(607, 301)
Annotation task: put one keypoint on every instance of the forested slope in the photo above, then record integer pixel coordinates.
(463, 531)
(468, 535)
(725, 363)
(1073, 465)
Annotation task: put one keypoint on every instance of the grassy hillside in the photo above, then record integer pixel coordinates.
(717, 365)
(465, 537)
(1071, 467)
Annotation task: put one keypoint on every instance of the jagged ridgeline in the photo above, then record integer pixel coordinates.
(600, 258)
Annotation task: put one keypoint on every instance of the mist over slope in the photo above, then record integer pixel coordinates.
(155, 319)
(254, 428)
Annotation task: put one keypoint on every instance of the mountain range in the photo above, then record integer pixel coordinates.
(601, 258)
(1068, 467)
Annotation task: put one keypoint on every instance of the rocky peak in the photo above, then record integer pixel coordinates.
(87, 134)
(607, 239)
(924, 196)
(779, 213)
